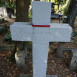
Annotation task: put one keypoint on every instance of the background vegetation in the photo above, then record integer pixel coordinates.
(60, 4)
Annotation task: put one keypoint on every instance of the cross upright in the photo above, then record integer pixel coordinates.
(40, 32)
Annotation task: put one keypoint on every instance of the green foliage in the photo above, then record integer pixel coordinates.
(30, 15)
(65, 11)
(3, 29)
(74, 36)
(61, 2)
(10, 3)
(64, 7)
(75, 33)
(1, 3)
(1, 19)
(53, 1)
(56, 8)
(7, 37)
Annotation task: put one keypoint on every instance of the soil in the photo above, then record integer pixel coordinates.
(55, 66)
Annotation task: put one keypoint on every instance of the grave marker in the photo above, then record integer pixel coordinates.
(40, 32)
(73, 63)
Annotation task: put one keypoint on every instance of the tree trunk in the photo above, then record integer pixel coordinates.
(22, 10)
(72, 12)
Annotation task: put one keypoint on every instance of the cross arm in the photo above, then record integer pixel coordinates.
(21, 31)
(60, 32)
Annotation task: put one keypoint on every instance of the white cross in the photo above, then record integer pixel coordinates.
(40, 34)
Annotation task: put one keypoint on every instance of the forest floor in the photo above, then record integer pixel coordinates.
(55, 66)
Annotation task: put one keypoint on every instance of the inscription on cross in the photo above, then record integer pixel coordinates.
(40, 32)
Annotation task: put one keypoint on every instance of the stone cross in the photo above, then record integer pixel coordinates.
(40, 32)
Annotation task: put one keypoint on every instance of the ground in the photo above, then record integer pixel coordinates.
(55, 66)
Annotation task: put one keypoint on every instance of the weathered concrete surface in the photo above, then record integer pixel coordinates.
(20, 60)
(73, 63)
